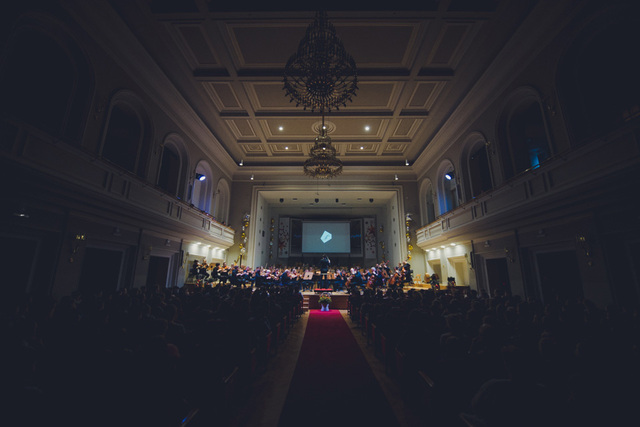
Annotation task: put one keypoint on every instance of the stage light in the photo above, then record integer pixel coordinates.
(200, 177)
(449, 175)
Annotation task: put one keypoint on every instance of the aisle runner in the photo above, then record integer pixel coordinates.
(333, 384)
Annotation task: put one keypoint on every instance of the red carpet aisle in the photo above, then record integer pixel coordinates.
(333, 383)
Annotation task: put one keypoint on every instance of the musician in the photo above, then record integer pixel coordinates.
(341, 279)
(194, 268)
(407, 274)
(224, 273)
(215, 273)
(396, 278)
(285, 277)
(203, 274)
(357, 277)
(233, 276)
(325, 262)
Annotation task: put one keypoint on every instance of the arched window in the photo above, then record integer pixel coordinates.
(598, 84)
(523, 133)
(174, 163)
(127, 136)
(45, 81)
(221, 201)
(202, 187)
(448, 194)
(427, 202)
(478, 177)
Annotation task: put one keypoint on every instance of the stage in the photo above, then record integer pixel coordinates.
(338, 300)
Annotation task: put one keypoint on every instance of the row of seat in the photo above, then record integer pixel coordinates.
(255, 363)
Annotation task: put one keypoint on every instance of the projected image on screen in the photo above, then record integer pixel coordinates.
(325, 237)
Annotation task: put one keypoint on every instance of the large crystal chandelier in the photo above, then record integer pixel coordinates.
(321, 76)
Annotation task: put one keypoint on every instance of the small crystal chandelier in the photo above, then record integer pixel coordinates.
(322, 162)
(321, 75)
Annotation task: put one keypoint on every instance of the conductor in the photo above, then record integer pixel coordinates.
(325, 262)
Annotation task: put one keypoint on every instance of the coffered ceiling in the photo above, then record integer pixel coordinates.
(415, 65)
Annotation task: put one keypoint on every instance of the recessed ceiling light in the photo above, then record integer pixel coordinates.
(367, 128)
(286, 148)
(362, 147)
(280, 128)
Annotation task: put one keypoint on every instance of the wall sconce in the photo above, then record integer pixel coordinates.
(75, 245)
(469, 258)
(583, 243)
(550, 105)
(509, 255)
(491, 150)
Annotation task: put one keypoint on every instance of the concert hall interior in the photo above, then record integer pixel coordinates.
(155, 164)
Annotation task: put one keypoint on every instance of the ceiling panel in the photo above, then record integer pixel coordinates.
(228, 63)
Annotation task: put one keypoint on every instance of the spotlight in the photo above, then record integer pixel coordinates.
(396, 177)
(251, 177)
(337, 201)
(200, 177)
(281, 200)
(449, 175)
(370, 200)
(406, 162)
(317, 200)
(241, 163)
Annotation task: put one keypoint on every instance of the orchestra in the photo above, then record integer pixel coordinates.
(380, 275)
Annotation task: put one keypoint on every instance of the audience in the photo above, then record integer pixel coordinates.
(510, 361)
(131, 358)
(148, 356)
